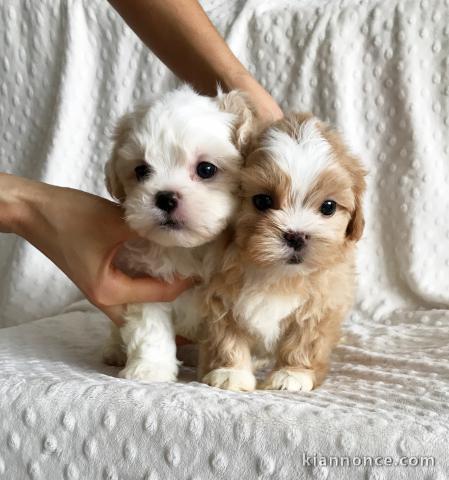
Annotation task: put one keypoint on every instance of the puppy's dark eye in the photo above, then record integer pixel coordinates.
(142, 172)
(328, 207)
(262, 202)
(206, 170)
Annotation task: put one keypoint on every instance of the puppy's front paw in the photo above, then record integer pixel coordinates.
(149, 372)
(291, 380)
(114, 355)
(231, 379)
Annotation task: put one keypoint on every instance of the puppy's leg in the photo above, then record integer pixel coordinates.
(150, 343)
(303, 353)
(226, 355)
(114, 349)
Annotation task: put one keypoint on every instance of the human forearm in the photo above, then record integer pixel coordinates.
(182, 36)
(13, 202)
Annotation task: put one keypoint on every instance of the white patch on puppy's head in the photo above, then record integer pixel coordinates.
(308, 145)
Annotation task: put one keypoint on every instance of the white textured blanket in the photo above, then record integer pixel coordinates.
(377, 69)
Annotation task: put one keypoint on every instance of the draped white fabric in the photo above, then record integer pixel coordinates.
(379, 71)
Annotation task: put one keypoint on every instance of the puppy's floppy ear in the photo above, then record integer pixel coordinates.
(245, 125)
(113, 183)
(356, 225)
(353, 165)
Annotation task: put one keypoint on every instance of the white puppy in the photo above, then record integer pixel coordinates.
(175, 169)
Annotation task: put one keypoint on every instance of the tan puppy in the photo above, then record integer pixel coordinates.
(288, 278)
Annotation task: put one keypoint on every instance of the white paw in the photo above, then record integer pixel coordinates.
(291, 380)
(149, 372)
(114, 355)
(231, 379)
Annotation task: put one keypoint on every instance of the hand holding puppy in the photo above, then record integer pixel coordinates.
(80, 233)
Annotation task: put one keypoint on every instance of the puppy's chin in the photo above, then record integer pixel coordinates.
(279, 260)
(176, 236)
(168, 232)
(266, 251)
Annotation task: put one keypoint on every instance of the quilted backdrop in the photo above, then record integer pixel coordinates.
(379, 71)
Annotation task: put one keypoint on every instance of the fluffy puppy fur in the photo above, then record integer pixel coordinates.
(287, 278)
(174, 167)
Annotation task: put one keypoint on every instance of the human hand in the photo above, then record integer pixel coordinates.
(267, 109)
(81, 234)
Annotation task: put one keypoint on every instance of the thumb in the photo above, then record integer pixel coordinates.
(117, 288)
(147, 289)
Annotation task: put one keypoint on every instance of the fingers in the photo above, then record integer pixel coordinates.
(148, 289)
(117, 288)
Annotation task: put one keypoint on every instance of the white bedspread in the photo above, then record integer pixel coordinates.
(377, 69)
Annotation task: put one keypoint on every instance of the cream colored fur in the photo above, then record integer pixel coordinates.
(271, 298)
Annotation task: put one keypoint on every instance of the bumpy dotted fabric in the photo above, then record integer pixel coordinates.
(379, 70)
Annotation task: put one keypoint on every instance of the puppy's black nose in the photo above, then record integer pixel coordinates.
(295, 240)
(166, 201)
